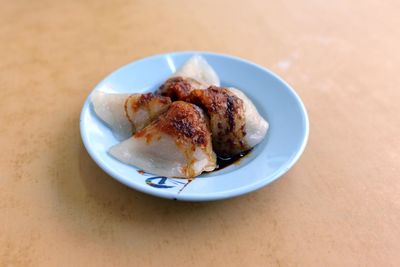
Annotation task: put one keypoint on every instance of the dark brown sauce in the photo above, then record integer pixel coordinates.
(225, 162)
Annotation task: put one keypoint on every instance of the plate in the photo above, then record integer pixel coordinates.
(275, 155)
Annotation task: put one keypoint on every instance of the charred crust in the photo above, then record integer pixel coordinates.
(226, 112)
(184, 121)
(183, 126)
(143, 100)
(230, 109)
(177, 88)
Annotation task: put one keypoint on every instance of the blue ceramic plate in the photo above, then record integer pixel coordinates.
(275, 100)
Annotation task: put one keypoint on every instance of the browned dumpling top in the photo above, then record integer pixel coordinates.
(178, 88)
(227, 119)
(128, 113)
(176, 144)
(185, 122)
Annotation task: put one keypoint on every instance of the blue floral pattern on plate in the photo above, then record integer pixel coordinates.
(163, 182)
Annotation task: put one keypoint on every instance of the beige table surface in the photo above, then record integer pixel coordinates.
(340, 204)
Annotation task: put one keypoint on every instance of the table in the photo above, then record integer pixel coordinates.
(340, 204)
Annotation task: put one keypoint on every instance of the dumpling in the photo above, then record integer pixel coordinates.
(255, 126)
(178, 88)
(127, 113)
(196, 73)
(227, 119)
(197, 68)
(177, 144)
(235, 123)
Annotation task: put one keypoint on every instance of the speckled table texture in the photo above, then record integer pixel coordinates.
(339, 205)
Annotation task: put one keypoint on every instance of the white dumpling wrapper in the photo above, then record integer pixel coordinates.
(110, 107)
(178, 144)
(160, 157)
(197, 68)
(255, 125)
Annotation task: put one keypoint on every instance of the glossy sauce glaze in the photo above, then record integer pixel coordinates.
(225, 162)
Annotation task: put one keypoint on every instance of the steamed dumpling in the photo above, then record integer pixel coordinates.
(178, 88)
(256, 126)
(197, 68)
(177, 144)
(196, 73)
(235, 123)
(127, 113)
(227, 119)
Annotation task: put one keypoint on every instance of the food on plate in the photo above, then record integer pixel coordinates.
(255, 125)
(197, 68)
(196, 73)
(178, 88)
(177, 144)
(128, 113)
(183, 128)
(235, 123)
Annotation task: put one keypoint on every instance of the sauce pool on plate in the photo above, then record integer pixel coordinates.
(225, 162)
